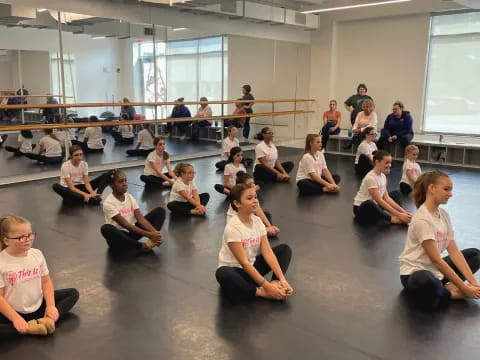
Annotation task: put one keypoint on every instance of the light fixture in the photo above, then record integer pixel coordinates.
(179, 29)
(98, 37)
(41, 10)
(353, 6)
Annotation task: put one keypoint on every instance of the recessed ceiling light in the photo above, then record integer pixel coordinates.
(179, 29)
(41, 10)
(353, 6)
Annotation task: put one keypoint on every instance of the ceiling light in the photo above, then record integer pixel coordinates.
(98, 37)
(41, 10)
(179, 29)
(353, 6)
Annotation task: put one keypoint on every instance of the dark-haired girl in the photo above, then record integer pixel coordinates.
(364, 157)
(184, 197)
(233, 166)
(157, 160)
(75, 186)
(313, 176)
(373, 203)
(121, 211)
(49, 149)
(246, 256)
(228, 143)
(430, 280)
(144, 142)
(93, 140)
(267, 168)
(24, 144)
(124, 134)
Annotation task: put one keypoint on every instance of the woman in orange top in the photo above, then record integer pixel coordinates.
(331, 122)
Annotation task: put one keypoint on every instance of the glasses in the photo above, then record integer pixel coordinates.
(190, 172)
(25, 237)
(269, 133)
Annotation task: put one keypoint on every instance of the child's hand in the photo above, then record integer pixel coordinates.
(52, 312)
(201, 208)
(21, 325)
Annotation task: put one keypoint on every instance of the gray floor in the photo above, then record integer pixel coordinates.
(347, 303)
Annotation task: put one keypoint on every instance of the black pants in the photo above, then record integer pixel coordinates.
(65, 299)
(364, 165)
(85, 147)
(220, 188)
(117, 136)
(311, 187)
(182, 208)
(353, 116)
(405, 189)
(237, 284)
(369, 212)
(45, 159)
(180, 126)
(403, 139)
(124, 241)
(72, 198)
(196, 125)
(262, 174)
(139, 152)
(14, 150)
(155, 181)
(246, 125)
(326, 132)
(221, 164)
(426, 291)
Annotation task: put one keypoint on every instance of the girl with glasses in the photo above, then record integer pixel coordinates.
(28, 302)
(364, 157)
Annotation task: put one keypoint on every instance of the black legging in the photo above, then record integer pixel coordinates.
(72, 198)
(14, 150)
(85, 147)
(153, 180)
(311, 187)
(262, 174)
(123, 240)
(405, 189)
(221, 164)
(326, 132)
(364, 165)
(45, 159)
(426, 291)
(369, 212)
(120, 139)
(220, 188)
(404, 140)
(182, 208)
(139, 152)
(237, 284)
(65, 299)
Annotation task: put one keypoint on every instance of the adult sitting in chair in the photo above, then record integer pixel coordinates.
(203, 111)
(398, 127)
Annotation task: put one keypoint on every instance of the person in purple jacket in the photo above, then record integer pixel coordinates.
(398, 127)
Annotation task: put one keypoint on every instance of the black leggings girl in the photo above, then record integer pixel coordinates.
(72, 198)
(122, 240)
(117, 136)
(262, 174)
(153, 180)
(139, 152)
(311, 187)
(369, 212)
(85, 147)
(364, 165)
(182, 208)
(238, 285)
(426, 291)
(405, 189)
(45, 159)
(65, 299)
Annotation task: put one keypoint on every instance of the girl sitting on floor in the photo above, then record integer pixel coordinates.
(364, 156)
(157, 160)
(145, 143)
(121, 211)
(313, 176)
(24, 144)
(184, 197)
(28, 302)
(228, 143)
(410, 169)
(75, 186)
(49, 149)
(234, 164)
(246, 256)
(372, 202)
(429, 280)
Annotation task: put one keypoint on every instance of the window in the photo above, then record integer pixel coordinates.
(69, 72)
(452, 102)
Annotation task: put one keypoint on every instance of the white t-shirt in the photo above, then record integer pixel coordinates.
(231, 171)
(21, 278)
(370, 181)
(62, 136)
(227, 145)
(268, 152)
(251, 238)
(146, 139)
(158, 160)
(94, 135)
(178, 186)
(52, 147)
(204, 112)
(425, 226)
(365, 148)
(75, 174)
(413, 167)
(26, 146)
(362, 121)
(112, 207)
(230, 213)
(308, 164)
(126, 131)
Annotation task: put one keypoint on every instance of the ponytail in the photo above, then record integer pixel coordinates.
(112, 175)
(147, 127)
(50, 133)
(420, 188)
(260, 135)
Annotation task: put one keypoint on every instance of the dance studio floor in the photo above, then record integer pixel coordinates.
(347, 302)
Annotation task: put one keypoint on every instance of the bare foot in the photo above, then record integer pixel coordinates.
(196, 212)
(396, 220)
(148, 245)
(263, 294)
(454, 291)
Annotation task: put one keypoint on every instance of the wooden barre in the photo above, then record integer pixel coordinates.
(139, 122)
(34, 96)
(84, 105)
